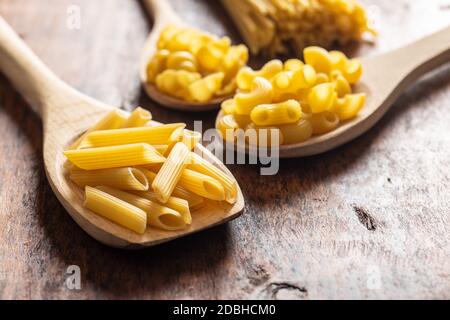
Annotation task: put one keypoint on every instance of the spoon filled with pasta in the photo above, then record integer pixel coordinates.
(308, 107)
(128, 181)
(185, 68)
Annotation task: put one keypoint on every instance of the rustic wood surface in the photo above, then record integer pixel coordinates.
(367, 220)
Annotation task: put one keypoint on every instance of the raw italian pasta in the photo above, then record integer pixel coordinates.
(276, 26)
(286, 103)
(193, 65)
(112, 161)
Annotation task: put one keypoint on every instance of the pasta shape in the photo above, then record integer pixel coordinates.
(151, 135)
(116, 210)
(296, 132)
(261, 93)
(202, 185)
(114, 157)
(157, 215)
(324, 122)
(167, 178)
(191, 138)
(178, 204)
(203, 166)
(138, 118)
(113, 120)
(276, 113)
(120, 178)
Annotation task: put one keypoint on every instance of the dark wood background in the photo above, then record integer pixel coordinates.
(367, 220)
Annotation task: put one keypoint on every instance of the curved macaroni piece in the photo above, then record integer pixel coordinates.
(175, 82)
(226, 125)
(182, 60)
(353, 71)
(342, 86)
(261, 93)
(204, 89)
(350, 105)
(263, 136)
(293, 64)
(245, 78)
(324, 122)
(318, 58)
(228, 106)
(338, 60)
(296, 132)
(276, 113)
(322, 97)
(291, 81)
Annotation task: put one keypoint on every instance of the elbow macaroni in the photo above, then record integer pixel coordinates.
(195, 66)
(298, 99)
(110, 163)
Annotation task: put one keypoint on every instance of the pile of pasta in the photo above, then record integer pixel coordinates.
(195, 66)
(136, 173)
(278, 26)
(294, 98)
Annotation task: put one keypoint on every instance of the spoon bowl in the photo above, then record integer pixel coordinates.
(385, 77)
(66, 114)
(163, 16)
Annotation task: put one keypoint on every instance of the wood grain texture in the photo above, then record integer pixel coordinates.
(326, 226)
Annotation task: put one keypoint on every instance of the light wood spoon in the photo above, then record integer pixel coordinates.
(385, 77)
(66, 113)
(163, 15)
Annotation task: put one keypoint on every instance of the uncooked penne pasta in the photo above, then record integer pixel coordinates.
(151, 135)
(116, 210)
(167, 177)
(202, 185)
(114, 157)
(121, 178)
(203, 166)
(191, 138)
(157, 215)
(195, 201)
(177, 204)
(138, 118)
(113, 120)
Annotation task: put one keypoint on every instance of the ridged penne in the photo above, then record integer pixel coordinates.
(138, 118)
(202, 185)
(167, 177)
(116, 210)
(195, 201)
(113, 120)
(178, 204)
(191, 138)
(120, 178)
(151, 135)
(114, 157)
(203, 166)
(157, 215)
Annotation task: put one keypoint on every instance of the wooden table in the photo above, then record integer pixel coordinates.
(368, 220)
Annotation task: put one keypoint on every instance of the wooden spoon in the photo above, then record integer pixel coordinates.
(164, 15)
(66, 113)
(385, 77)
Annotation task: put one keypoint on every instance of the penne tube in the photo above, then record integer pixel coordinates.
(202, 185)
(167, 178)
(119, 178)
(161, 148)
(113, 120)
(177, 204)
(157, 215)
(195, 201)
(151, 135)
(191, 138)
(116, 210)
(114, 157)
(138, 118)
(203, 166)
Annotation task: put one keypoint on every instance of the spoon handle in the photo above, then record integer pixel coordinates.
(405, 65)
(25, 70)
(162, 13)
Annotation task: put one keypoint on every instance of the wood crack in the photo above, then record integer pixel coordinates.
(365, 218)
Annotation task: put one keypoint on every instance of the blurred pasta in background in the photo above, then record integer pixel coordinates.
(274, 27)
